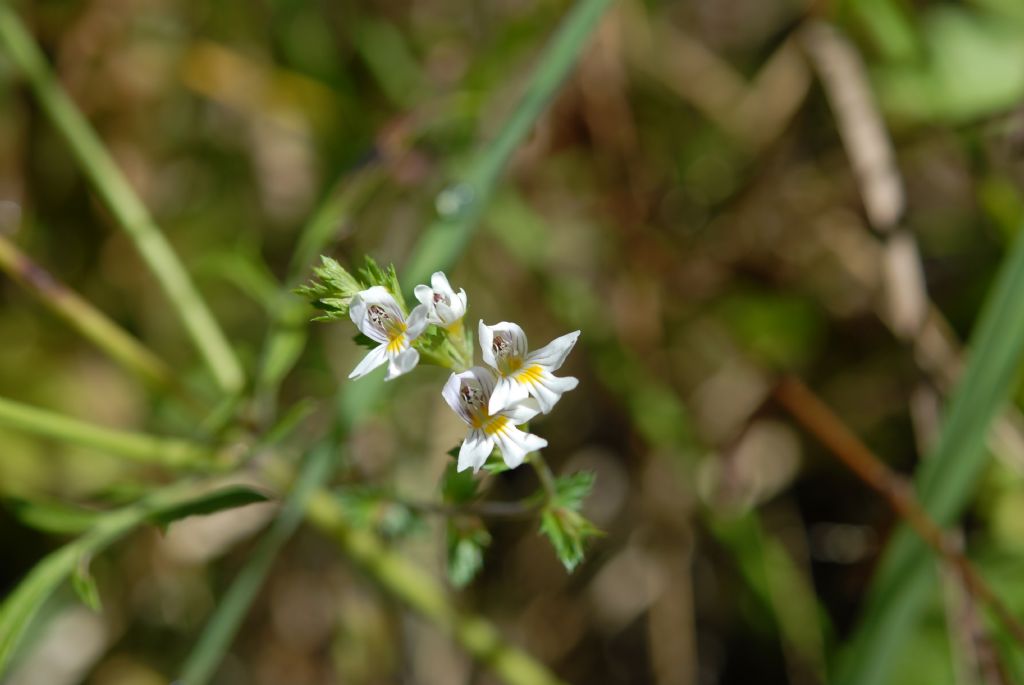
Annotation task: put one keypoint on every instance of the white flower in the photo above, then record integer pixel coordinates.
(467, 393)
(376, 313)
(444, 306)
(522, 373)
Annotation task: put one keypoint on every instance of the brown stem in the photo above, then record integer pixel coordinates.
(815, 416)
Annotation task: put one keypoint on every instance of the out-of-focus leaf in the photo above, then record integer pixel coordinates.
(467, 540)
(53, 517)
(974, 67)
(230, 497)
(779, 330)
(887, 25)
(945, 481)
(176, 501)
(84, 585)
(458, 487)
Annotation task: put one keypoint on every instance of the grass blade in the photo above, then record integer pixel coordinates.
(170, 452)
(945, 481)
(221, 629)
(175, 502)
(133, 217)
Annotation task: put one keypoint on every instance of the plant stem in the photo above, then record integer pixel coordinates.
(816, 417)
(122, 201)
(169, 452)
(83, 317)
(547, 478)
(407, 582)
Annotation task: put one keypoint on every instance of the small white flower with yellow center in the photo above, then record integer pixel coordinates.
(445, 307)
(376, 313)
(522, 373)
(468, 393)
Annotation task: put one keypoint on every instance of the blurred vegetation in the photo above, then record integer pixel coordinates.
(721, 194)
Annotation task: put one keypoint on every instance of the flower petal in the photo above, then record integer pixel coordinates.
(403, 362)
(553, 355)
(507, 391)
(486, 337)
(548, 390)
(515, 445)
(450, 393)
(376, 357)
(439, 282)
(359, 311)
(475, 450)
(424, 294)
(417, 322)
(521, 412)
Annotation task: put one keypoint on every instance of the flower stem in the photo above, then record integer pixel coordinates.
(547, 478)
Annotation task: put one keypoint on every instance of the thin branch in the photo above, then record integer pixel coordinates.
(521, 509)
(124, 204)
(809, 411)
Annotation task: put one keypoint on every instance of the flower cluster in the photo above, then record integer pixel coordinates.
(495, 399)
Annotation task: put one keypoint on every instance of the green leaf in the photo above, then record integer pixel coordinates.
(372, 508)
(975, 67)
(568, 532)
(467, 540)
(19, 608)
(945, 481)
(85, 585)
(372, 274)
(331, 289)
(53, 517)
(230, 497)
(458, 487)
(562, 522)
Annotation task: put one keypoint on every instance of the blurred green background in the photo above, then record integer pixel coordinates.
(687, 200)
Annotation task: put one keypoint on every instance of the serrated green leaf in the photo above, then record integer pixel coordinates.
(572, 490)
(331, 289)
(52, 517)
(563, 524)
(568, 532)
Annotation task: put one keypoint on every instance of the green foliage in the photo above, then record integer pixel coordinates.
(331, 289)
(84, 585)
(458, 487)
(371, 508)
(467, 540)
(52, 517)
(974, 67)
(945, 481)
(372, 274)
(562, 522)
(28, 597)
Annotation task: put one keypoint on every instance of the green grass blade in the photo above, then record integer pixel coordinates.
(221, 629)
(445, 239)
(170, 452)
(174, 502)
(111, 185)
(945, 481)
